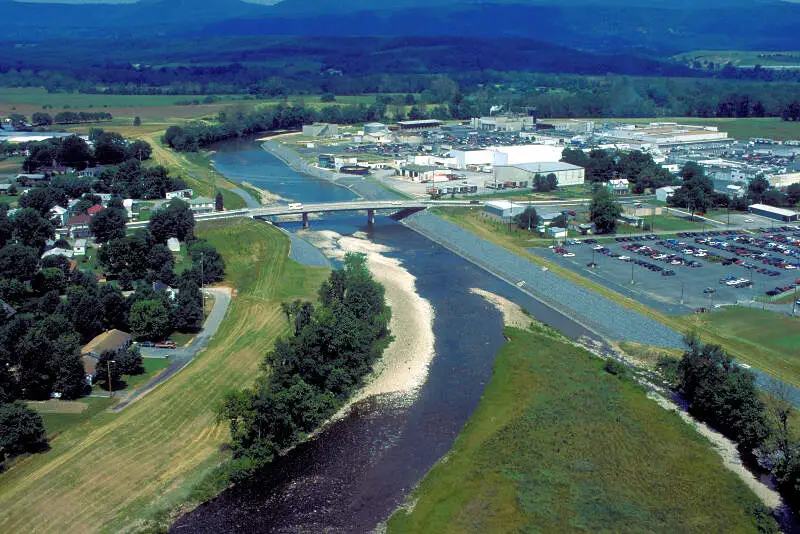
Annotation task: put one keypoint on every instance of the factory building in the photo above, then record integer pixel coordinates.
(505, 155)
(373, 128)
(784, 180)
(424, 124)
(668, 133)
(320, 129)
(566, 174)
(503, 123)
(502, 210)
(779, 214)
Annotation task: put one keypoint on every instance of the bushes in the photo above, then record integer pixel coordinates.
(308, 375)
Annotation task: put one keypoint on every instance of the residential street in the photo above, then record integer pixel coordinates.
(182, 356)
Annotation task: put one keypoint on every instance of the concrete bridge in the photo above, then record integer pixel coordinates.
(402, 207)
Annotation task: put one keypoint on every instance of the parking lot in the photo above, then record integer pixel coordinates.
(699, 270)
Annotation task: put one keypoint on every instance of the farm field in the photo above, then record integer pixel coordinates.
(163, 445)
(559, 445)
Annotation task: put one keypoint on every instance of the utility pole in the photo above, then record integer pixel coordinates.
(202, 284)
(632, 266)
(794, 300)
(110, 387)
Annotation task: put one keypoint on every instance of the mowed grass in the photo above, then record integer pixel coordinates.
(114, 470)
(780, 359)
(558, 445)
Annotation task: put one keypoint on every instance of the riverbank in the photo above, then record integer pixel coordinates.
(402, 369)
(557, 444)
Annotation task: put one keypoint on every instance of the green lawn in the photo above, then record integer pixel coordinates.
(558, 445)
(162, 446)
(56, 419)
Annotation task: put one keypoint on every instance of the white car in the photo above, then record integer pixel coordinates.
(701, 255)
(624, 258)
(598, 247)
(749, 220)
(568, 255)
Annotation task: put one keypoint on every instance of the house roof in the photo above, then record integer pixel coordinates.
(79, 243)
(58, 252)
(201, 200)
(97, 208)
(108, 340)
(89, 363)
(79, 220)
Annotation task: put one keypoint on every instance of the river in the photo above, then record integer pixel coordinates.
(352, 475)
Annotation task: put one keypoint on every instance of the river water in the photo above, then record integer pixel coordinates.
(359, 469)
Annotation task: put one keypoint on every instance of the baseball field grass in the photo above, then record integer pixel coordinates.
(559, 445)
(115, 471)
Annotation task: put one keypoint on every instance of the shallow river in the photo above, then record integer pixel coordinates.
(355, 473)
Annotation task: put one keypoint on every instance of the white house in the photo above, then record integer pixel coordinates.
(663, 193)
(59, 215)
(57, 252)
(181, 193)
(618, 187)
(201, 205)
(173, 244)
(79, 247)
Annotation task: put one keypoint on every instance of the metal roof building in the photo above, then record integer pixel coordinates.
(779, 214)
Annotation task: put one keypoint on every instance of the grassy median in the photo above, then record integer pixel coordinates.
(559, 445)
(117, 469)
(770, 346)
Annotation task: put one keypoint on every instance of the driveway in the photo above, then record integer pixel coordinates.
(182, 356)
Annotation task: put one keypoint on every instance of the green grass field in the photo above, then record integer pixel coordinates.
(162, 446)
(771, 127)
(558, 445)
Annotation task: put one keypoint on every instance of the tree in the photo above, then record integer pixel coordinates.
(793, 194)
(41, 119)
(110, 148)
(528, 219)
(115, 310)
(697, 191)
(50, 279)
(139, 149)
(30, 229)
(21, 429)
(213, 266)
(174, 220)
(544, 183)
(604, 211)
(18, 262)
(137, 120)
(757, 187)
(219, 203)
(109, 224)
(150, 320)
(74, 152)
(67, 366)
(85, 310)
(188, 314)
(327, 97)
(43, 199)
(108, 368)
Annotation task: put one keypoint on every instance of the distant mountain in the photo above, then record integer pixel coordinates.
(657, 28)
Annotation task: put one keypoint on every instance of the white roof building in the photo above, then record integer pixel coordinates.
(173, 244)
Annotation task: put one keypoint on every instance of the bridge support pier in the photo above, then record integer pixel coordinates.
(370, 217)
(305, 221)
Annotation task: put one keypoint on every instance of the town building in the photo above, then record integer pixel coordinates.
(566, 174)
(779, 214)
(94, 210)
(59, 215)
(108, 341)
(502, 210)
(79, 247)
(503, 123)
(58, 252)
(664, 193)
(78, 225)
(665, 134)
(620, 186)
(201, 205)
(784, 180)
(166, 289)
(183, 194)
(173, 244)
(373, 128)
(321, 129)
(423, 124)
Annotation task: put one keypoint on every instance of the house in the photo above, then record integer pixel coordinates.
(92, 172)
(79, 247)
(55, 170)
(548, 218)
(556, 232)
(502, 210)
(7, 308)
(111, 340)
(94, 210)
(128, 205)
(59, 215)
(58, 252)
(181, 193)
(618, 187)
(663, 193)
(5, 188)
(79, 226)
(27, 179)
(161, 287)
(201, 205)
(173, 244)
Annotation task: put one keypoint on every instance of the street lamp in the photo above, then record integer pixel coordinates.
(632, 266)
(794, 300)
(110, 387)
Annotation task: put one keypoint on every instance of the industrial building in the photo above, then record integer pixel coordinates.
(504, 123)
(373, 128)
(779, 214)
(423, 124)
(502, 210)
(566, 174)
(505, 155)
(784, 180)
(663, 193)
(321, 129)
(668, 133)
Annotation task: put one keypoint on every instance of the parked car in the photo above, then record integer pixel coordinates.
(167, 345)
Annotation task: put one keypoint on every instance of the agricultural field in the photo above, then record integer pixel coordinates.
(558, 445)
(162, 446)
(742, 58)
(768, 127)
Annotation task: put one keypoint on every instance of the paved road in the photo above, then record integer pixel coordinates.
(181, 357)
(249, 201)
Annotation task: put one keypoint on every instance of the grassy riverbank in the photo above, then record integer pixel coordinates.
(559, 445)
(115, 470)
(748, 345)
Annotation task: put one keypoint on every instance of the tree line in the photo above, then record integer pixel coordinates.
(723, 394)
(310, 373)
(51, 308)
(636, 166)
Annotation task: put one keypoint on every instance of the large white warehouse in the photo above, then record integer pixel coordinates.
(566, 174)
(505, 155)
